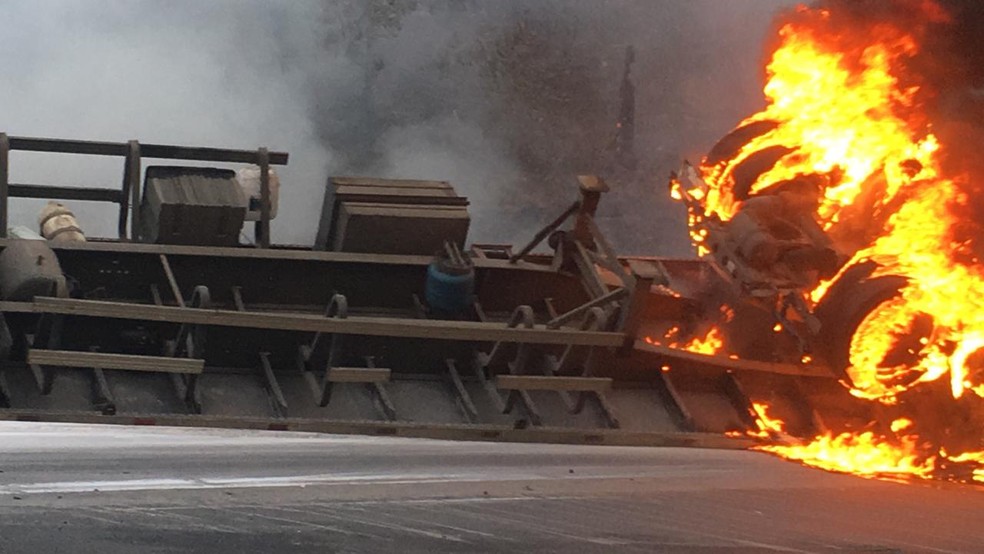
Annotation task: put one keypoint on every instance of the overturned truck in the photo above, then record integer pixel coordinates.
(392, 324)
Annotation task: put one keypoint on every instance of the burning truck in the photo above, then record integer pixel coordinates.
(848, 234)
(833, 317)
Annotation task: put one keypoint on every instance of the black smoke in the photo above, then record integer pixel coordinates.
(511, 99)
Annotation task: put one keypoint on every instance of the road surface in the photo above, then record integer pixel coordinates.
(75, 488)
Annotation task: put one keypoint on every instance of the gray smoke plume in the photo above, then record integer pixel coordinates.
(507, 99)
(511, 99)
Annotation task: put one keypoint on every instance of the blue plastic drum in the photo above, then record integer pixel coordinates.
(449, 288)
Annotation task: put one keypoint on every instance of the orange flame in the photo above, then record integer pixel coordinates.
(767, 426)
(838, 114)
(864, 454)
(842, 110)
(899, 456)
(709, 344)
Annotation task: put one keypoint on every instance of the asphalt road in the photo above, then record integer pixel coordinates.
(73, 488)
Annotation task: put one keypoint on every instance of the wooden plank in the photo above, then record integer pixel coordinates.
(352, 325)
(103, 360)
(358, 375)
(537, 382)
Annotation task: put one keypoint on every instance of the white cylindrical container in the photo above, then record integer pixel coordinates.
(249, 180)
(58, 224)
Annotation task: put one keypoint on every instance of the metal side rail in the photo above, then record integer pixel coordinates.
(355, 325)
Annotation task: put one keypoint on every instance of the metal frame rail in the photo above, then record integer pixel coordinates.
(128, 196)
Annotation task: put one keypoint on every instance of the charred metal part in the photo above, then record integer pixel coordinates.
(746, 173)
(732, 143)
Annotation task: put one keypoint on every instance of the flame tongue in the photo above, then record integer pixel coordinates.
(864, 454)
(845, 111)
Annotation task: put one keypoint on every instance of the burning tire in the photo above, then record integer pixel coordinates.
(868, 336)
(732, 143)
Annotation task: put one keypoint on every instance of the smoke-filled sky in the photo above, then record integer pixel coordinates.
(507, 99)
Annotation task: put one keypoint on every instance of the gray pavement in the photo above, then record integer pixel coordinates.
(75, 488)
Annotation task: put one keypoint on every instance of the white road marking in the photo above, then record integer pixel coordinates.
(209, 483)
(186, 483)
